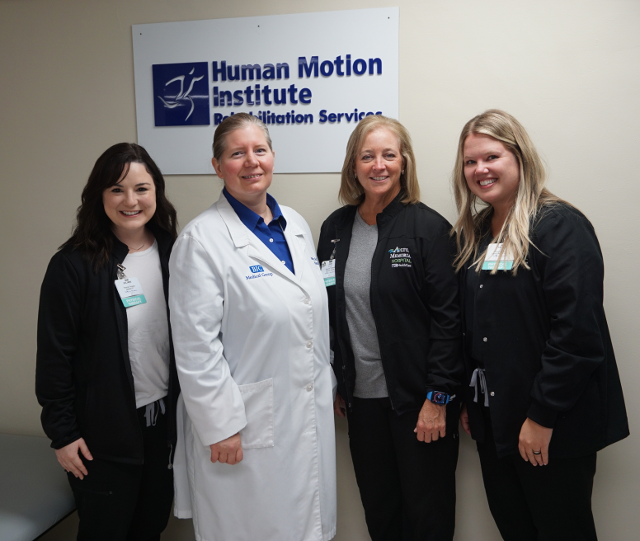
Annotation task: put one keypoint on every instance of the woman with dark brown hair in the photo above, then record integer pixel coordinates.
(105, 374)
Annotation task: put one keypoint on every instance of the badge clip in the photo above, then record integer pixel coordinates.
(333, 254)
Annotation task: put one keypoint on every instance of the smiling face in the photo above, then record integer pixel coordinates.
(131, 202)
(491, 171)
(246, 165)
(379, 164)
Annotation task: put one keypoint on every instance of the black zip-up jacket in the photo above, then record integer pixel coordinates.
(83, 373)
(414, 301)
(543, 340)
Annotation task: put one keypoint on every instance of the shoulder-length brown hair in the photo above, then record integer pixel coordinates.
(351, 191)
(92, 234)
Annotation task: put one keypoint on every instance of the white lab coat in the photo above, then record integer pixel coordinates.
(252, 350)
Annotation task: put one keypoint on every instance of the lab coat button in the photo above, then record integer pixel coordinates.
(306, 300)
(309, 343)
(309, 387)
(484, 339)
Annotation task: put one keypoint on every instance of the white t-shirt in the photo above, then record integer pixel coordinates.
(148, 328)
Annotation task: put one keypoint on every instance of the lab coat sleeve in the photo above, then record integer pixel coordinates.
(572, 272)
(196, 301)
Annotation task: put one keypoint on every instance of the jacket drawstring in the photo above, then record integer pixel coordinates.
(479, 378)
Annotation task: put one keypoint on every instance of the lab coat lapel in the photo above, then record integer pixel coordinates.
(257, 250)
(254, 247)
(295, 240)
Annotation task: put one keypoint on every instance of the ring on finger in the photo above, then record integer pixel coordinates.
(536, 452)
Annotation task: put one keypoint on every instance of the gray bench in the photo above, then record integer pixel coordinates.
(34, 491)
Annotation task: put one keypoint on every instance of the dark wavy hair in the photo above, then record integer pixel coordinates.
(92, 234)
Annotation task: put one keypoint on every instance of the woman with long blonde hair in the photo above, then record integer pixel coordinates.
(544, 387)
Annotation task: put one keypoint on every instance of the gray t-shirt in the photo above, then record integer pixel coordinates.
(370, 381)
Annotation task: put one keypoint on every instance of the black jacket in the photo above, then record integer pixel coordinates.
(83, 373)
(543, 339)
(414, 304)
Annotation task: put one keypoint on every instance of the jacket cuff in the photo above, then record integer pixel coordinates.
(61, 442)
(438, 389)
(542, 415)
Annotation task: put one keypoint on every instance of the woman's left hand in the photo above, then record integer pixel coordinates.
(432, 422)
(534, 443)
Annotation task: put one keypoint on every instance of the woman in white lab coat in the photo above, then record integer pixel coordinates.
(256, 452)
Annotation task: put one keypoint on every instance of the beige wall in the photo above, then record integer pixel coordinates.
(568, 70)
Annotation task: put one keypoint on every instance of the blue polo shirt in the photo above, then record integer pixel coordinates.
(271, 235)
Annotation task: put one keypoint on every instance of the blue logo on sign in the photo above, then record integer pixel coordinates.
(256, 268)
(181, 94)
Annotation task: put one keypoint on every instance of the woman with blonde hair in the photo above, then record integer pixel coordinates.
(393, 306)
(544, 387)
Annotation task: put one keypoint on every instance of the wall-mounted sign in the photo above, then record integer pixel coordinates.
(310, 77)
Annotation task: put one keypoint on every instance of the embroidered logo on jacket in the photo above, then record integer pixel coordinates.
(400, 257)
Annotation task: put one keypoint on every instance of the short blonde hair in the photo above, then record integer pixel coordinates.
(351, 191)
(231, 124)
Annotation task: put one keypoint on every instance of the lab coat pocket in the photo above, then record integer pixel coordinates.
(258, 406)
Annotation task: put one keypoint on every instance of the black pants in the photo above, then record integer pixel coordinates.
(407, 486)
(124, 502)
(538, 503)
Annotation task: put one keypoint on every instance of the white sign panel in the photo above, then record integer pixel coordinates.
(310, 77)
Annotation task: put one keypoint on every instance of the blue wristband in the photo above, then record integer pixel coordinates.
(439, 398)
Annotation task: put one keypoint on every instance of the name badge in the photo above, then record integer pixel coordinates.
(494, 251)
(329, 272)
(130, 292)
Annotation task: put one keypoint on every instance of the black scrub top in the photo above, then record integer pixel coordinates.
(542, 337)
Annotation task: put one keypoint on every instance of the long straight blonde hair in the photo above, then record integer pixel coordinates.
(530, 197)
